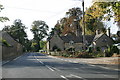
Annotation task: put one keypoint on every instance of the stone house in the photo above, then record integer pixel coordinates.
(102, 40)
(68, 41)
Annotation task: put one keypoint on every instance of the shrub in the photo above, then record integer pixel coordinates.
(111, 50)
(98, 48)
(84, 55)
(55, 48)
(114, 49)
(90, 49)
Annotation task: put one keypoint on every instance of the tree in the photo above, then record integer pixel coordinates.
(76, 12)
(2, 19)
(93, 19)
(17, 31)
(43, 44)
(101, 11)
(69, 23)
(39, 29)
(112, 7)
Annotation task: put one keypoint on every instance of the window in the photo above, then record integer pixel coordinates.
(71, 42)
(104, 40)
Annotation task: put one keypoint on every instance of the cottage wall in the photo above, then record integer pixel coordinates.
(104, 41)
(77, 46)
(56, 41)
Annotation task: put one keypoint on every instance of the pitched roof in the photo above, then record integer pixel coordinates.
(97, 36)
(89, 38)
(77, 39)
(69, 38)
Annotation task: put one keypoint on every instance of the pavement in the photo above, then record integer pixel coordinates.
(40, 66)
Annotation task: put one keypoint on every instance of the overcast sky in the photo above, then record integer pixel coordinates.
(29, 10)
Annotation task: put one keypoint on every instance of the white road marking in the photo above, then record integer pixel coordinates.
(41, 62)
(18, 57)
(38, 60)
(49, 68)
(76, 68)
(65, 60)
(5, 62)
(77, 77)
(75, 62)
(105, 75)
(64, 77)
(92, 65)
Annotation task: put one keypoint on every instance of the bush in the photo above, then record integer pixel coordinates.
(55, 48)
(84, 55)
(98, 48)
(90, 49)
(111, 50)
(114, 49)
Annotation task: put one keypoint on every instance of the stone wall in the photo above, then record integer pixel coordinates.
(15, 49)
(0, 49)
(56, 41)
(77, 46)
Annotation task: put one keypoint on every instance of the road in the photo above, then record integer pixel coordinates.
(39, 66)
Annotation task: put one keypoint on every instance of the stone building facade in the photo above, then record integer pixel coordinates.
(101, 40)
(68, 41)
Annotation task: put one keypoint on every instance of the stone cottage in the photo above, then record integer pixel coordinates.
(67, 41)
(102, 40)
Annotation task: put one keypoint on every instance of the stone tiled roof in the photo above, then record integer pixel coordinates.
(97, 36)
(89, 38)
(77, 39)
(69, 38)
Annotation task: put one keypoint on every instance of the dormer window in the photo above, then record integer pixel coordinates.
(104, 40)
(71, 42)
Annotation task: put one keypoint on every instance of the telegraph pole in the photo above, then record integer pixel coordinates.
(84, 40)
(84, 43)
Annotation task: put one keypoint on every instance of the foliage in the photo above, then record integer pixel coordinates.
(90, 49)
(55, 48)
(90, 55)
(42, 44)
(98, 48)
(84, 55)
(111, 50)
(4, 42)
(28, 44)
(105, 11)
(70, 23)
(93, 17)
(39, 29)
(3, 19)
(17, 31)
(71, 49)
(98, 12)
